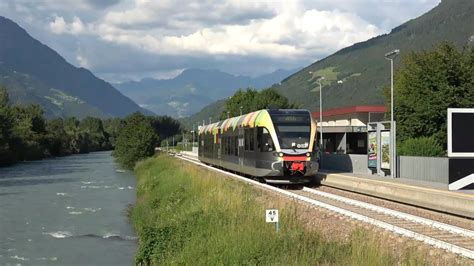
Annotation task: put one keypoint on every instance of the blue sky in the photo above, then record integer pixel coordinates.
(123, 40)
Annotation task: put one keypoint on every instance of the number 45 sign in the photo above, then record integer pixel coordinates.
(271, 216)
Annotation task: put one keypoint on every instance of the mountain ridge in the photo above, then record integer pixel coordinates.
(193, 89)
(21, 53)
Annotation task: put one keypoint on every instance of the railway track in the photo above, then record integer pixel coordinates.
(441, 235)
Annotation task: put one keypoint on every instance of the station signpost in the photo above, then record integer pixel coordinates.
(461, 148)
(271, 216)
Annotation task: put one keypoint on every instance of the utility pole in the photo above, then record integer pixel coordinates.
(393, 156)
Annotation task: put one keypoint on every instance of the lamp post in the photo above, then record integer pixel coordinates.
(241, 107)
(390, 56)
(321, 112)
(193, 136)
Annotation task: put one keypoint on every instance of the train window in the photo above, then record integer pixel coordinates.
(246, 139)
(264, 140)
(252, 139)
(236, 146)
(227, 145)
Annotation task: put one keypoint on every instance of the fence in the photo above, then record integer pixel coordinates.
(432, 169)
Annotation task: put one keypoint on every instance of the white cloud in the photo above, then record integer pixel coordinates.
(83, 62)
(293, 31)
(59, 26)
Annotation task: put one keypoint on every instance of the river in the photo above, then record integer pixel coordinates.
(66, 211)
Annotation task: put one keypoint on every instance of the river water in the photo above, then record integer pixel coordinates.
(66, 211)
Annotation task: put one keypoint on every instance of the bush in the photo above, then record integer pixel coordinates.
(423, 146)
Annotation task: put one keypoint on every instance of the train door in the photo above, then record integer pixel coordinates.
(219, 146)
(241, 147)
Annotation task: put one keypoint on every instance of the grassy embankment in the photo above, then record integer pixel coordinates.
(188, 215)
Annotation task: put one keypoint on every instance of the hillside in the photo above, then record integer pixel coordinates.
(362, 68)
(34, 73)
(212, 111)
(193, 89)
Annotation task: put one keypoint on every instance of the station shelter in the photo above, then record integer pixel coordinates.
(345, 129)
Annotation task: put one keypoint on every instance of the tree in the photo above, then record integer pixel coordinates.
(428, 83)
(79, 141)
(136, 141)
(5, 128)
(28, 132)
(165, 126)
(252, 100)
(58, 141)
(97, 137)
(112, 127)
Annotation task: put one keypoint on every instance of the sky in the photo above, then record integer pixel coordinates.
(121, 40)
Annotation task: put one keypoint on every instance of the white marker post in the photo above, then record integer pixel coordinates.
(271, 216)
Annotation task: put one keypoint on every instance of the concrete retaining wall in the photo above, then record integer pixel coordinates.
(353, 163)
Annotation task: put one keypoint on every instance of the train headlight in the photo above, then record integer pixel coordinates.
(308, 154)
(280, 154)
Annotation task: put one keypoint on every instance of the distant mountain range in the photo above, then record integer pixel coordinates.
(193, 89)
(34, 73)
(356, 75)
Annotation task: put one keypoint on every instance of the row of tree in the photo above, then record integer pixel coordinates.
(25, 134)
(428, 83)
(250, 100)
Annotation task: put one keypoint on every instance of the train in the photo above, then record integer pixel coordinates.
(276, 145)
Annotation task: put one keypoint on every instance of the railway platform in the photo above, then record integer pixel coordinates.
(428, 195)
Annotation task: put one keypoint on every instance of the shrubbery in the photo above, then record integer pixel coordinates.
(422, 146)
(136, 141)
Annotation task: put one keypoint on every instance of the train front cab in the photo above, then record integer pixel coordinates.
(294, 139)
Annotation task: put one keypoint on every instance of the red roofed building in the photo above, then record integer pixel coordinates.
(345, 129)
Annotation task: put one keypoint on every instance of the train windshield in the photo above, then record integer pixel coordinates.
(293, 130)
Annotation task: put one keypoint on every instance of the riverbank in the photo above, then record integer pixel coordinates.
(185, 214)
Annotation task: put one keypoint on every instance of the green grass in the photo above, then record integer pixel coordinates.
(189, 215)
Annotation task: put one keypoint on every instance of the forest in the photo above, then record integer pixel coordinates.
(25, 134)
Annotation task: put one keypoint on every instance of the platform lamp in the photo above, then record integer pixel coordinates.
(320, 113)
(390, 56)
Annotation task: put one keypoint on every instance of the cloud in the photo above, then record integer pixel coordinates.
(132, 39)
(60, 26)
(293, 31)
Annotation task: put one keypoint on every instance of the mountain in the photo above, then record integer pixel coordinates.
(213, 111)
(356, 75)
(193, 89)
(34, 73)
